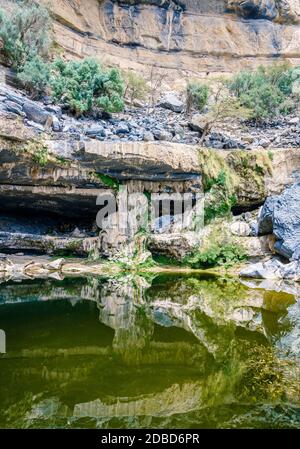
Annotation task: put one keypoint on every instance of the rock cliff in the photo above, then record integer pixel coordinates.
(182, 37)
(62, 176)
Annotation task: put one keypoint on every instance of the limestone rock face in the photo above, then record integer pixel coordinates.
(182, 37)
(139, 160)
(176, 245)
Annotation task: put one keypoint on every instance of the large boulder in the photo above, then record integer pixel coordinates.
(265, 219)
(172, 102)
(37, 113)
(281, 215)
(173, 245)
(273, 269)
(199, 122)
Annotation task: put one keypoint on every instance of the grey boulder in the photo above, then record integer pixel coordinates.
(172, 102)
(37, 113)
(199, 122)
(281, 215)
(273, 269)
(148, 136)
(265, 219)
(94, 130)
(11, 106)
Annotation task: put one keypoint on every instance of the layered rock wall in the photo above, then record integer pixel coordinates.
(185, 38)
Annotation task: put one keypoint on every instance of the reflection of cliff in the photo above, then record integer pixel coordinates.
(121, 308)
(213, 310)
(210, 310)
(159, 352)
(185, 37)
(214, 390)
(196, 306)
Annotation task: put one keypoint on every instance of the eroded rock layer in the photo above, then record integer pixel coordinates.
(183, 37)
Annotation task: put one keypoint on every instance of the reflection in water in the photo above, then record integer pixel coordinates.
(171, 352)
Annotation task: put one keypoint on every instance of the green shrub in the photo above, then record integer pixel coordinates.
(35, 76)
(218, 205)
(38, 150)
(24, 33)
(220, 193)
(220, 180)
(84, 85)
(267, 92)
(197, 96)
(217, 255)
(136, 87)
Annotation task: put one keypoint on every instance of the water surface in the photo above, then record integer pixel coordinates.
(168, 352)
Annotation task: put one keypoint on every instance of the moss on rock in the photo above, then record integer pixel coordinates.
(232, 179)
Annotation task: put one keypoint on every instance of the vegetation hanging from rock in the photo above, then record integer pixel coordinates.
(225, 178)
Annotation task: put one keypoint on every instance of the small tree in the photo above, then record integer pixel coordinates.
(224, 105)
(155, 81)
(136, 87)
(35, 76)
(197, 96)
(84, 85)
(25, 33)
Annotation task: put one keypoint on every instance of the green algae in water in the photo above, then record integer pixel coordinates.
(183, 352)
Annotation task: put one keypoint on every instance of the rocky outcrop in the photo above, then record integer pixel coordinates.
(281, 216)
(47, 244)
(143, 161)
(62, 173)
(273, 269)
(71, 174)
(182, 38)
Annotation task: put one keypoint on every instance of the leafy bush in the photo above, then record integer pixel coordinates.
(267, 92)
(84, 85)
(217, 255)
(136, 87)
(24, 33)
(197, 96)
(35, 76)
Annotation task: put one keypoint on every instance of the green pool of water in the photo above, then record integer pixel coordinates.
(170, 352)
